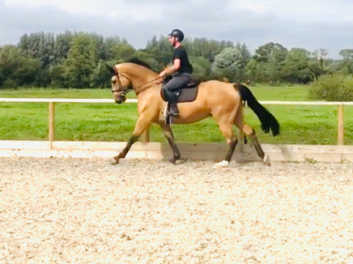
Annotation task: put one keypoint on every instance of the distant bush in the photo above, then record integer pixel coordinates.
(335, 87)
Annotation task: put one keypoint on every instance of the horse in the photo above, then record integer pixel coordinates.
(223, 101)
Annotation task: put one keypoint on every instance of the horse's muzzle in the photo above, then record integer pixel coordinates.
(120, 99)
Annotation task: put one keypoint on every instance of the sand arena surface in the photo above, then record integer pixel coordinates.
(88, 211)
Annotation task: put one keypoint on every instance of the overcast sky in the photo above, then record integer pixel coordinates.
(309, 24)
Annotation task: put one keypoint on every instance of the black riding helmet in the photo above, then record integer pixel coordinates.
(177, 33)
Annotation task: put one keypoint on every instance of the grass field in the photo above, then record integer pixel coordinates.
(111, 122)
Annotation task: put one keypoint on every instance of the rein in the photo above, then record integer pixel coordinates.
(125, 91)
(148, 84)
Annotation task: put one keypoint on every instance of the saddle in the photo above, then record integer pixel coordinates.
(185, 94)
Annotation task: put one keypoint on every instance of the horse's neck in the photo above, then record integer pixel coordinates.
(145, 83)
(141, 78)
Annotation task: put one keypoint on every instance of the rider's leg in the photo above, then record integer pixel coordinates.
(172, 87)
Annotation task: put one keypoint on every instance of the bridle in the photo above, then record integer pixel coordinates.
(123, 92)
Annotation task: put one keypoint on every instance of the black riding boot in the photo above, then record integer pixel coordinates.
(173, 109)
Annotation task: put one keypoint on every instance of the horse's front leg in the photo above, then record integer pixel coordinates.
(168, 133)
(141, 125)
(124, 152)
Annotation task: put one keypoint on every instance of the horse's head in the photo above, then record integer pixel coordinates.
(121, 85)
(131, 75)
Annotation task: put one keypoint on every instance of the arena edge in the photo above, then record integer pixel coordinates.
(160, 151)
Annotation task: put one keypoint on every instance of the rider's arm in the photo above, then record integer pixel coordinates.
(169, 70)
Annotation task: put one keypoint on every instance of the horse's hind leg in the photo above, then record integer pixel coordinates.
(227, 131)
(232, 144)
(168, 133)
(250, 132)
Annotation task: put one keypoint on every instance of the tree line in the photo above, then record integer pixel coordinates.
(79, 60)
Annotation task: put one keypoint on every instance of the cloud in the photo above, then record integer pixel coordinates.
(121, 9)
(306, 24)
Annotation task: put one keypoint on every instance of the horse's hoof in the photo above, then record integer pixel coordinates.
(180, 161)
(222, 164)
(177, 161)
(267, 160)
(116, 161)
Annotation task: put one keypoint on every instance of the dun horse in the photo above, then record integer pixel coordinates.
(221, 100)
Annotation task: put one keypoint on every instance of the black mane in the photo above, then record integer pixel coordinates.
(139, 62)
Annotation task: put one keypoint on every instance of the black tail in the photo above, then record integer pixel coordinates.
(268, 121)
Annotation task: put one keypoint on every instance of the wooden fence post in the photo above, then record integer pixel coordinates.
(340, 126)
(51, 136)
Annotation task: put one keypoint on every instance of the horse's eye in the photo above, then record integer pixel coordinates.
(113, 81)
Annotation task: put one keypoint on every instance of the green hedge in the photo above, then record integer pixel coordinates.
(333, 87)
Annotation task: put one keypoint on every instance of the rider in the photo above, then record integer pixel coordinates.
(180, 70)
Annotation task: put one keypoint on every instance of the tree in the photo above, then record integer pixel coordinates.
(231, 63)
(347, 54)
(160, 50)
(39, 46)
(255, 71)
(321, 56)
(149, 59)
(62, 46)
(201, 67)
(16, 69)
(270, 58)
(57, 76)
(202, 47)
(81, 61)
(296, 66)
(100, 76)
(267, 63)
(347, 64)
(271, 52)
(117, 50)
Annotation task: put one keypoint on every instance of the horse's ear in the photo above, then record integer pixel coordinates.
(111, 69)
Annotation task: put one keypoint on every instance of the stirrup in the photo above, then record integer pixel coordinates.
(174, 114)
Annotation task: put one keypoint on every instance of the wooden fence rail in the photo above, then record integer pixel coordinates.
(145, 137)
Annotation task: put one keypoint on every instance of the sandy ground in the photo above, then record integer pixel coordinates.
(89, 211)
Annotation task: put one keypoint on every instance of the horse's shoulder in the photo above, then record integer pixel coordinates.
(151, 95)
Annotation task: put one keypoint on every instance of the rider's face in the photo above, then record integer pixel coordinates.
(172, 40)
